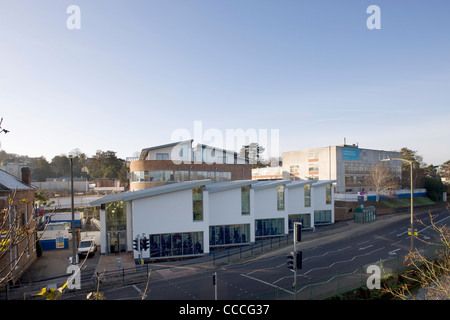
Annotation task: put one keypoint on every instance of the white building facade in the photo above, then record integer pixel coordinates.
(190, 218)
(349, 165)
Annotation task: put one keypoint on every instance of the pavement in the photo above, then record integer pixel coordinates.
(53, 264)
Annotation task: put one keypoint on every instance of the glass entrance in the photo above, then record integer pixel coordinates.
(116, 242)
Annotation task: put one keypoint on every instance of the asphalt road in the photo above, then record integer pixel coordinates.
(324, 261)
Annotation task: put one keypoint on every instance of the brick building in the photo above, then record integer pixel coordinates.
(18, 234)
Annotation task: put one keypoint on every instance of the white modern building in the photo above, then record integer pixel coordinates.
(349, 165)
(189, 218)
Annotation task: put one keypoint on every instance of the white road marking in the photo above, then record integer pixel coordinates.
(269, 284)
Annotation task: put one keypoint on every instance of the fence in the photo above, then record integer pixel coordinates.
(225, 256)
(88, 282)
(339, 283)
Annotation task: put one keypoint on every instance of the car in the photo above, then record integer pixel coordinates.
(87, 246)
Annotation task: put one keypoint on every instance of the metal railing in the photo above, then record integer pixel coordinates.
(89, 281)
(338, 283)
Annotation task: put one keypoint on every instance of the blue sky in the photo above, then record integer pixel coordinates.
(137, 71)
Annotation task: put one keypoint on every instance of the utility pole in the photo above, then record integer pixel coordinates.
(74, 249)
(297, 238)
(215, 285)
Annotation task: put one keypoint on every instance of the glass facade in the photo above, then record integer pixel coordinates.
(176, 244)
(197, 203)
(269, 227)
(229, 234)
(322, 216)
(178, 175)
(245, 200)
(304, 218)
(116, 216)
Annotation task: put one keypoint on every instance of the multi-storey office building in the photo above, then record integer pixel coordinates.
(181, 161)
(191, 217)
(349, 165)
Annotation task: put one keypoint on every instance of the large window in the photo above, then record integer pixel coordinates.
(280, 197)
(177, 175)
(269, 227)
(328, 194)
(176, 244)
(116, 216)
(322, 216)
(307, 191)
(197, 202)
(162, 156)
(304, 218)
(245, 199)
(229, 234)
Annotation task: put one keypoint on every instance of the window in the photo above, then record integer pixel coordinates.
(322, 216)
(116, 217)
(162, 156)
(269, 227)
(328, 194)
(197, 199)
(313, 155)
(304, 218)
(294, 169)
(229, 234)
(245, 199)
(313, 168)
(280, 197)
(307, 191)
(176, 244)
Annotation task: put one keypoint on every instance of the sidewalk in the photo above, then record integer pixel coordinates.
(110, 262)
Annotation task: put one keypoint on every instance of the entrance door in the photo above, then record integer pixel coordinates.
(116, 242)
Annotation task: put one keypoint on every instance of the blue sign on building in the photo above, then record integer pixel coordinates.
(350, 154)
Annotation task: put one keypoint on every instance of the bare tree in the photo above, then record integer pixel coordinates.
(382, 179)
(433, 275)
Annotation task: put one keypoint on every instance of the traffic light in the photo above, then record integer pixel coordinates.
(136, 244)
(299, 259)
(290, 261)
(145, 243)
(298, 232)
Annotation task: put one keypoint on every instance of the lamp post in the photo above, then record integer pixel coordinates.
(412, 197)
(74, 249)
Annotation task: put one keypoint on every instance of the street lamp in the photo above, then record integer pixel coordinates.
(412, 197)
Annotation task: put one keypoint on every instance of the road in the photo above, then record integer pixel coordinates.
(325, 261)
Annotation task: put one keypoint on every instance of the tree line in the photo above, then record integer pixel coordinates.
(426, 176)
(104, 164)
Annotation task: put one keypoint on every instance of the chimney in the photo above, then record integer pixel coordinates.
(26, 176)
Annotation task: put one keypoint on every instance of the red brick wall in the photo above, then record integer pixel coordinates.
(22, 201)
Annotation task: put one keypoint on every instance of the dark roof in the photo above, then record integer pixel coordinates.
(9, 182)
